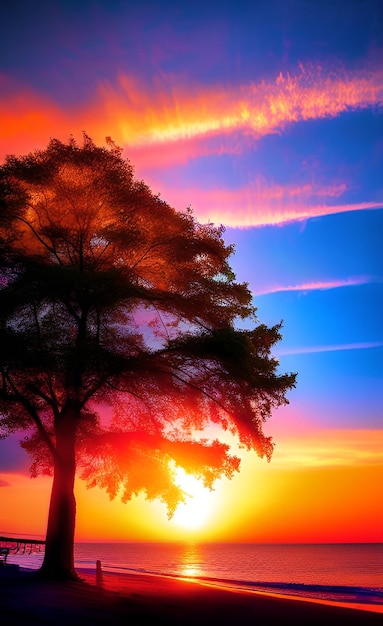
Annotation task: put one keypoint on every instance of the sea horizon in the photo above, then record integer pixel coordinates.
(36, 536)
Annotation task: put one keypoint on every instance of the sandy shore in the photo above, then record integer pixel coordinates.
(144, 599)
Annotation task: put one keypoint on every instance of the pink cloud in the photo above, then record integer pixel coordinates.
(321, 285)
(251, 218)
(258, 205)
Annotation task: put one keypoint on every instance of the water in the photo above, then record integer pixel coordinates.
(349, 573)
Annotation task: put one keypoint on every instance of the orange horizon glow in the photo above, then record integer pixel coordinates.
(276, 502)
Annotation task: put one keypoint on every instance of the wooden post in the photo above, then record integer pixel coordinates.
(98, 573)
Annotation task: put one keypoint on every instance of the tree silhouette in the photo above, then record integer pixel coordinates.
(118, 336)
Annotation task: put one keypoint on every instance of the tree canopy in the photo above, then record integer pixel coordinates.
(119, 334)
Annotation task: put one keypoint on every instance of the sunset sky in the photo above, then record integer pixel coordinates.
(266, 117)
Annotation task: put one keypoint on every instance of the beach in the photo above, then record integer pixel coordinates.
(149, 599)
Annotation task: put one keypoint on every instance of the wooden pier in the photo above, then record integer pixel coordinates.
(18, 545)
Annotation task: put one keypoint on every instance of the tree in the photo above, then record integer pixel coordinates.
(119, 338)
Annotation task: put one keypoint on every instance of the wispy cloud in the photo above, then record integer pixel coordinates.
(167, 124)
(178, 113)
(318, 285)
(329, 348)
(167, 115)
(255, 206)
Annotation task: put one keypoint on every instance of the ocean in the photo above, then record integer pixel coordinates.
(341, 573)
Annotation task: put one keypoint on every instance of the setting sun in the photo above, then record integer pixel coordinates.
(195, 512)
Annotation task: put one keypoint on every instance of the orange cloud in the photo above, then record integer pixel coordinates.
(207, 119)
(176, 113)
(169, 124)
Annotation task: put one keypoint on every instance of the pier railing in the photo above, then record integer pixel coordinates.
(19, 545)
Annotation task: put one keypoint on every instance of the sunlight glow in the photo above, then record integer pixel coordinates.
(195, 512)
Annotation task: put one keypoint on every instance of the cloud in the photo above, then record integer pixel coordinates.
(4, 483)
(186, 121)
(329, 348)
(255, 206)
(168, 124)
(171, 113)
(319, 285)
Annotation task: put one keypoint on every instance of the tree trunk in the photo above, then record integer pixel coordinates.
(59, 548)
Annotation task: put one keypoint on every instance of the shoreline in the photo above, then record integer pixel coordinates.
(140, 598)
(237, 588)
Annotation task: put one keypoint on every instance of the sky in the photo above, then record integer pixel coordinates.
(266, 117)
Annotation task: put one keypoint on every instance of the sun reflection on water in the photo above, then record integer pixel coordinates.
(191, 558)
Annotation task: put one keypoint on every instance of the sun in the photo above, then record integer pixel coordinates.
(195, 512)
